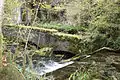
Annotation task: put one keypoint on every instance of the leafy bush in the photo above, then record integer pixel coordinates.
(62, 27)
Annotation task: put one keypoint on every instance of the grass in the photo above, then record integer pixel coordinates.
(62, 27)
(80, 76)
(10, 72)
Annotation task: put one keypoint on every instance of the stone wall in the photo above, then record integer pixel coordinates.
(36, 36)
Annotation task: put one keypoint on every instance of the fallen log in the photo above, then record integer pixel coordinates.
(105, 48)
(81, 57)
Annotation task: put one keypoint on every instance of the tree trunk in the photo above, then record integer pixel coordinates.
(1, 36)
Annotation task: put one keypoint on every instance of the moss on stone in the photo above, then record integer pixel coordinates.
(46, 51)
(32, 27)
(67, 35)
(10, 72)
(53, 32)
(73, 39)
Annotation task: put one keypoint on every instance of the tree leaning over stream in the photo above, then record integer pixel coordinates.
(1, 36)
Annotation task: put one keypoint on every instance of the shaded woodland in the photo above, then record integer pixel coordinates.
(60, 39)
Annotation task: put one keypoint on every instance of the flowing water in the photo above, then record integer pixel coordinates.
(45, 65)
(51, 66)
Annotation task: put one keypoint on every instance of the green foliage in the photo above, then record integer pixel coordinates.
(46, 51)
(94, 14)
(116, 44)
(88, 72)
(62, 27)
(105, 13)
(10, 10)
(80, 76)
(103, 24)
(101, 17)
(78, 12)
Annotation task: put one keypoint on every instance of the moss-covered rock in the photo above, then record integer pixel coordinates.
(46, 51)
(10, 72)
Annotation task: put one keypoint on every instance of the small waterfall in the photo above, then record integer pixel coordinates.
(46, 65)
(51, 66)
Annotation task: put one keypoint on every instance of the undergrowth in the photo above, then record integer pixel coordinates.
(62, 27)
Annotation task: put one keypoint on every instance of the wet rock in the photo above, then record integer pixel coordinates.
(34, 61)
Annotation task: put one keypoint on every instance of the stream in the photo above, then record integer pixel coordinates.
(42, 65)
(46, 64)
